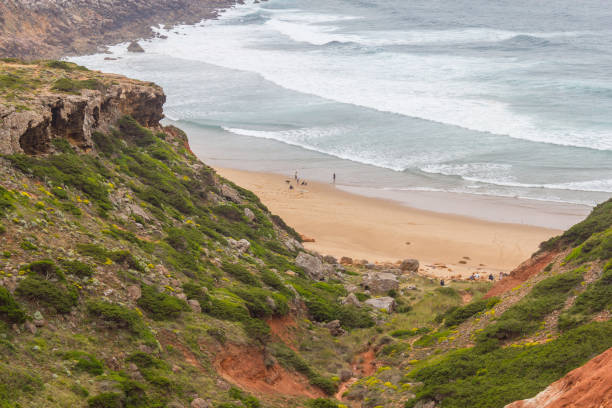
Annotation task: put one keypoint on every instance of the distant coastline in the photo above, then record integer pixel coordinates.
(56, 29)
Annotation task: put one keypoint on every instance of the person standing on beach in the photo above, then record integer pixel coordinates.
(334, 178)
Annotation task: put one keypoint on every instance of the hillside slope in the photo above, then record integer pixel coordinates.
(132, 275)
(34, 29)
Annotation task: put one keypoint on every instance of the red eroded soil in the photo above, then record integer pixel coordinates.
(589, 386)
(364, 364)
(245, 366)
(523, 272)
(284, 328)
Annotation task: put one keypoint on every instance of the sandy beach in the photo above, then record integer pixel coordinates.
(346, 224)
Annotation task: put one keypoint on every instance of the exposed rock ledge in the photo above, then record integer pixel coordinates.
(76, 117)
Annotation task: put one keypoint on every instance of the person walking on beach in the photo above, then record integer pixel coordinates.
(334, 178)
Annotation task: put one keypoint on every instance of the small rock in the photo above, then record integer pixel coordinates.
(249, 214)
(410, 265)
(200, 403)
(181, 296)
(351, 299)
(334, 328)
(231, 194)
(134, 292)
(194, 305)
(241, 246)
(345, 375)
(30, 327)
(176, 369)
(135, 47)
(370, 266)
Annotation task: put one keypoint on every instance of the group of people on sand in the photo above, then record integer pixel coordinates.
(301, 182)
(491, 277)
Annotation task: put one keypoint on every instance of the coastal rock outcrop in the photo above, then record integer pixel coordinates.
(34, 29)
(53, 115)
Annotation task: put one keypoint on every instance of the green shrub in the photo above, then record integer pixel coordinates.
(6, 201)
(228, 211)
(77, 268)
(160, 306)
(65, 65)
(291, 360)
(240, 272)
(46, 269)
(597, 297)
(271, 279)
(47, 294)
(85, 362)
(217, 333)
(460, 314)
(227, 310)
(134, 132)
(115, 315)
(28, 246)
(524, 316)
(599, 220)
(10, 311)
(14, 382)
(405, 333)
(467, 378)
(59, 192)
(256, 330)
(248, 400)
(75, 86)
(322, 403)
(143, 360)
(106, 400)
(258, 302)
(62, 145)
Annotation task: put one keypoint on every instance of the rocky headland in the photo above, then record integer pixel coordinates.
(34, 29)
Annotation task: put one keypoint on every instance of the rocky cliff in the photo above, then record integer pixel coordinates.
(34, 29)
(66, 101)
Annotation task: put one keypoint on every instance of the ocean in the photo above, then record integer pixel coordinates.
(486, 98)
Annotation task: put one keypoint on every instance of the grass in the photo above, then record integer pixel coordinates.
(159, 305)
(467, 378)
(524, 317)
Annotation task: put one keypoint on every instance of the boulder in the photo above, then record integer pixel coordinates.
(335, 329)
(135, 47)
(293, 244)
(249, 214)
(330, 259)
(351, 299)
(382, 303)
(194, 305)
(379, 282)
(231, 194)
(312, 265)
(241, 246)
(409, 265)
(345, 260)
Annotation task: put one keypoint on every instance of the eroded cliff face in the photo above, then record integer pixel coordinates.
(74, 116)
(585, 387)
(33, 29)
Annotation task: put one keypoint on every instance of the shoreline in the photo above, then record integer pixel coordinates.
(381, 230)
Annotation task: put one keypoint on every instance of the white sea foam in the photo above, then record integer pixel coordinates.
(438, 88)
